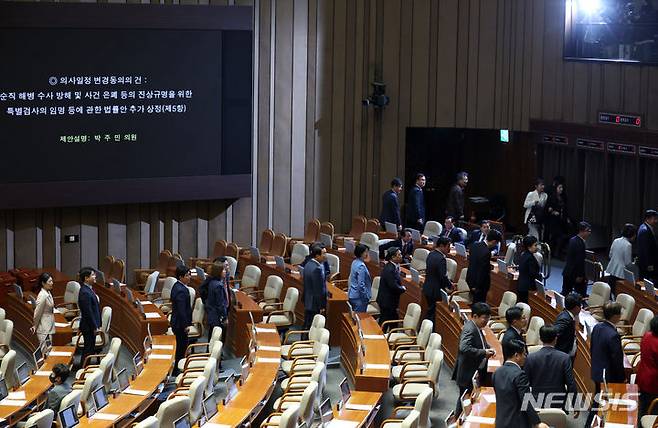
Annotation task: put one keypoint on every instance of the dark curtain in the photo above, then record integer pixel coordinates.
(650, 184)
(625, 192)
(595, 189)
(564, 161)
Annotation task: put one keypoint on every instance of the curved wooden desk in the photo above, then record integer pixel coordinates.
(127, 406)
(256, 390)
(642, 298)
(364, 418)
(37, 387)
(239, 320)
(372, 372)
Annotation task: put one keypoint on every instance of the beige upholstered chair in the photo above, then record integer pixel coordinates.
(284, 317)
(553, 417)
(371, 240)
(250, 279)
(373, 306)
(419, 261)
(8, 369)
(287, 419)
(422, 406)
(150, 422)
(497, 323)
(417, 356)
(420, 343)
(411, 385)
(42, 419)
(171, 410)
(403, 330)
(70, 399)
(451, 269)
(463, 292)
(334, 266)
(410, 421)
(68, 305)
(299, 253)
(199, 360)
(271, 293)
(532, 340)
(630, 342)
(306, 362)
(432, 228)
(198, 315)
(6, 334)
(102, 336)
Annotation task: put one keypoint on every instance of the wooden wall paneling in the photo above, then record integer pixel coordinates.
(486, 64)
(404, 111)
(447, 64)
(170, 223)
(580, 84)
(103, 245)
(507, 108)
(375, 72)
(25, 238)
(89, 237)
(70, 251)
(117, 237)
(652, 104)
(282, 115)
(298, 128)
(202, 247)
(216, 222)
(240, 222)
(156, 233)
(518, 58)
(311, 162)
(347, 135)
(612, 81)
(357, 92)
(631, 96)
(537, 58)
(552, 39)
(595, 92)
(324, 101)
(188, 230)
(560, 64)
(463, 49)
(337, 112)
(568, 81)
(472, 69)
(134, 241)
(49, 243)
(39, 238)
(528, 39)
(421, 41)
(261, 168)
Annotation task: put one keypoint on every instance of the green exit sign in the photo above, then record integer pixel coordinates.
(504, 135)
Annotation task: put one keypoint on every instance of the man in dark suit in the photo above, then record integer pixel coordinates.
(606, 351)
(315, 284)
(390, 286)
(436, 275)
(550, 371)
(512, 387)
(480, 235)
(416, 204)
(181, 310)
(90, 313)
(478, 276)
(647, 248)
(573, 275)
(517, 323)
(451, 231)
(455, 203)
(404, 243)
(565, 325)
(391, 205)
(473, 351)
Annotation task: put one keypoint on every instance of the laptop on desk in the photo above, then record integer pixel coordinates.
(326, 412)
(255, 253)
(649, 287)
(69, 417)
(4, 392)
(182, 422)
(100, 398)
(280, 263)
(502, 266)
(326, 240)
(23, 373)
(415, 275)
(123, 379)
(390, 227)
(629, 276)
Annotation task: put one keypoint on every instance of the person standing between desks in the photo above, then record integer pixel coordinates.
(391, 205)
(360, 283)
(565, 325)
(436, 275)
(455, 203)
(517, 322)
(216, 303)
(416, 204)
(573, 274)
(181, 310)
(621, 256)
(44, 311)
(534, 204)
(90, 313)
(529, 270)
(315, 284)
(478, 276)
(647, 247)
(390, 286)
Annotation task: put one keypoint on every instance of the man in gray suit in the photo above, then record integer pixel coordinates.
(315, 285)
(473, 351)
(512, 388)
(60, 388)
(550, 371)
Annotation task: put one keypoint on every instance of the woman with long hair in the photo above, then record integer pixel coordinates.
(44, 312)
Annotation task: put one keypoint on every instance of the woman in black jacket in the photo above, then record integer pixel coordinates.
(528, 268)
(557, 220)
(217, 300)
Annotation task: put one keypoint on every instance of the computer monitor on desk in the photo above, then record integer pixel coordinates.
(460, 249)
(390, 227)
(69, 417)
(649, 287)
(182, 422)
(502, 266)
(629, 276)
(349, 246)
(374, 256)
(280, 262)
(326, 240)
(559, 300)
(255, 253)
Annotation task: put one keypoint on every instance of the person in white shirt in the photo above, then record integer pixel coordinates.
(534, 204)
(620, 256)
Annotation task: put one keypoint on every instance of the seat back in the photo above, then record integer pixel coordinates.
(106, 266)
(434, 369)
(527, 311)
(232, 250)
(510, 253)
(419, 261)
(532, 335)
(216, 334)
(327, 228)
(219, 249)
(273, 287)
(93, 381)
(151, 282)
(627, 303)
(42, 419)
(372, 225)
(462, 285)
(70, 399)
(106, 319)
(433, 344)
(312, 232)
(334, 263)
(118, 271)
(553, 417)
(600, 294)
(412, 420)
(426, 328)
(642, 320)
(279, 245)
(412, 316)
(71, 292)
(299, 253)
(306, 403)
(370, 239)
(171, 410)
(290, 301)
(358, 225)
(115, 346)
(423, 406)
(251, 276)
(432, 228)
(289, 417)
(8, 368)
(107, 365)
(167, 286)
(232, 266)
(192, 293)
(374, 290)
(150, 422)
(197, 391)
(266, 239)
(198, 312)
(6, 332)
(508, 300)
(319, 321)
(451, 269)
(210, 373)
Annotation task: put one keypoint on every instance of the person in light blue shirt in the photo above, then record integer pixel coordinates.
(360, 282)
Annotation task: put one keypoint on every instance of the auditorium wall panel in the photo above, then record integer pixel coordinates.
(317, 151)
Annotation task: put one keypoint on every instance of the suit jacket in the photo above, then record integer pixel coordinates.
(605, 347)
(216, 302)
(415, 206)
(90, 313)
(390, 287)
(56, 394)
(181, 310)
(647, 249)
(390, 208)
(455, 204)
(475, 236)
(406, 249)
(511, 334)
(479, 267)
(549, 370)
(511, 384)
(575, 265)
(315, 287)
(566, 332)
(471, 355)
(453, 234)
(44, 317)
(435, 275)
(528, 271)
(621, 255)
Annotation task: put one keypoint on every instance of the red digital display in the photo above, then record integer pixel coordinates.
(634, 121)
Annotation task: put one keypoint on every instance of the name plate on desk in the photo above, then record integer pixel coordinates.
(151, 315)
(482, 420)
(62, 324)
(364, 407)
(161, 356)
(132, 391)
(268, 360)
(163, 347)
(265, 330)
(42, 373)
(374, 336)
(13, 403)
(270, 348)
(59, 354)
(340, 423)
(377, 367)
(105, 416)
(493, 363)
